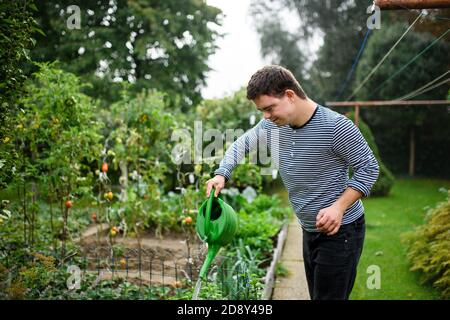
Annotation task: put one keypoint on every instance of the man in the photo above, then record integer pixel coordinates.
(316, 148)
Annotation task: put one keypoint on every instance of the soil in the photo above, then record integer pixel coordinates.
(157, 260)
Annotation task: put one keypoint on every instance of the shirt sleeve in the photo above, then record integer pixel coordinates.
(239, 149)
(350, 145)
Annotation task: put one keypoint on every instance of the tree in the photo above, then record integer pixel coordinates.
(394, 127)
(341, 24)
(16, 30)
(152, 44)
(277, 44)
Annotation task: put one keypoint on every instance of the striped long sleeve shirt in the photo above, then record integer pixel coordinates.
(313, 161)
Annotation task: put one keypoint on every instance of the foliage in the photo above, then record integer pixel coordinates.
(33, 276)
(260, 221)
(428, 66)
(429, 248)
(41, 278)
(210, 290)
(394, 126)
(387, 218)
(237, 114)
(234, 112)
(281, 270)
(246, 175)
(240, 274)
(138, 149)
(269, 203)
(16, 29)
(152, 44)
(342, 25)
(56, 137)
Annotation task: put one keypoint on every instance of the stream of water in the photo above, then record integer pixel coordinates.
(198, 286)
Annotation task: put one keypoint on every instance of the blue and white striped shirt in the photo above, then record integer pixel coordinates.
(314, 162)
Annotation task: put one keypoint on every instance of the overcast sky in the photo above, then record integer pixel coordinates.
(238, 55)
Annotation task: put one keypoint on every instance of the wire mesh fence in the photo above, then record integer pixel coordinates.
(174, 277)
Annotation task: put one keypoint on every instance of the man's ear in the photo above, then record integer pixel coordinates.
(289, 93)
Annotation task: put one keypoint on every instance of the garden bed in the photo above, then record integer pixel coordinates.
(155, 261)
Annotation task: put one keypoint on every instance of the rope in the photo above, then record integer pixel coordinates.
(384, 58)
(411, 61)
(428, 89)
(407, 96)
(355, 63)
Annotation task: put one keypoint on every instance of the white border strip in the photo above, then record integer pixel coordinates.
(270, 276)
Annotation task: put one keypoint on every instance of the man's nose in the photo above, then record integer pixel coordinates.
(266, 115)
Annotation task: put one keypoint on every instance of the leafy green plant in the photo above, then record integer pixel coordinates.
(139, 150)
(240, 273)
(260, 221)
(429, 248)
(17, 28)
(247, 175)
(270, 203)
(280, 270)
(233, 111)
(210, 290)
(56, 137)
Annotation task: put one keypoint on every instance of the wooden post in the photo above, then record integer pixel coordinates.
(357, 115)
(411, 4)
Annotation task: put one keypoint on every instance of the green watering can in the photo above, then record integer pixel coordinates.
(216, 225)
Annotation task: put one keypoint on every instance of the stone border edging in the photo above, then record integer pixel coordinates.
(269, 278)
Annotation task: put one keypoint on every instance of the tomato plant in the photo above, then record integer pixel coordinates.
(58, 135)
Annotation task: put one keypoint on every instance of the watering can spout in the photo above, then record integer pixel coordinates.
(212, 252)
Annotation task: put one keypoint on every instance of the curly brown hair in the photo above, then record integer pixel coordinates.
(273, 80)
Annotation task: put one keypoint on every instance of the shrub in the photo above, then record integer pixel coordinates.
(260, 221)
(429, 248)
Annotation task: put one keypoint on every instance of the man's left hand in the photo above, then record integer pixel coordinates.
(329, 220)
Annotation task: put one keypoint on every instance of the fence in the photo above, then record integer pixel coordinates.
(173, 277)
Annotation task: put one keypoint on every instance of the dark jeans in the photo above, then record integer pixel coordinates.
(331, 261)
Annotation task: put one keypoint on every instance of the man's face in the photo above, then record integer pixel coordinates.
(277, 110)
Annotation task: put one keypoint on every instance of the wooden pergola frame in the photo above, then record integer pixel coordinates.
(392, 103)
(411, 4)
(386, 103)
(399, 5)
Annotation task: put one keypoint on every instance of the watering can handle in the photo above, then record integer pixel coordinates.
(208, 212)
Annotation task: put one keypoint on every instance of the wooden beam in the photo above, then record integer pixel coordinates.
(357, 116)
(387, 103)
(411, 4)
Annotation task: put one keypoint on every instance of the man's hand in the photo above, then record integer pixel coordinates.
(218, 182)
(329, 220)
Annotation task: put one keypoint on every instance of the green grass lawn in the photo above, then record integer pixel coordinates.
(387, 218)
